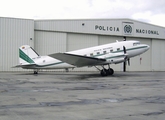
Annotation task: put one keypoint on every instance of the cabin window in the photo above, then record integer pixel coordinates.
(85, 55)
(111, 50)
(118, 49)
(98, 53)
(91, 54)
(104, 52)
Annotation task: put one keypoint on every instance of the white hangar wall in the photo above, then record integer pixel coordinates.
(50, 42)
(13, 34)
(114, 27)
(76, 34)
(80, 26)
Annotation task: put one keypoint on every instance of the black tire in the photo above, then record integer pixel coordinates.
(103, 72)
(35, 72)
(110, 71)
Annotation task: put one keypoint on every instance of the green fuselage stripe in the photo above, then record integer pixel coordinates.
(129, 49)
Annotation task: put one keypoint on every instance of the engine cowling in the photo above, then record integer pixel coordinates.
(116, 61)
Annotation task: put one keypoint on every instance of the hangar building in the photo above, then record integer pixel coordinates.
(51, 36)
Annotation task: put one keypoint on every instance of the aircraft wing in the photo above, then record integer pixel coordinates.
(77, 60)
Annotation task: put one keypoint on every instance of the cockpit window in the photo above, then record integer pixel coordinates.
(137, 43)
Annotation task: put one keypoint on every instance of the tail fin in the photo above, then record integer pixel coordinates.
(26, 55)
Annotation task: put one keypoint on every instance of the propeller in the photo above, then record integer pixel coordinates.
(125, 52)
(125, 59)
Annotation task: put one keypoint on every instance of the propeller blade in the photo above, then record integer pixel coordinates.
(124, 66)
(126, 58)
(128, 61)
(125, 52)
(124, 49)
(124, 38)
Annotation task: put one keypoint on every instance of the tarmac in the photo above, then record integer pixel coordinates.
(82, 96)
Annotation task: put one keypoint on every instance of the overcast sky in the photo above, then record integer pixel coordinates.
(150, 11)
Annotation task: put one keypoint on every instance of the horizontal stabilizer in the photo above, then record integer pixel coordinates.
(77, 60)
(24, 66)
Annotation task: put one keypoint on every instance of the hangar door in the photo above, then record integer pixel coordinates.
(158, 55)
(80, 41)
(108, 39)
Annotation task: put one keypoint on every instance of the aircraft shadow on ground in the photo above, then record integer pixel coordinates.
(84, 75)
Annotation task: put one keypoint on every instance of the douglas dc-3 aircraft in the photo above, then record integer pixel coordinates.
(102, 55)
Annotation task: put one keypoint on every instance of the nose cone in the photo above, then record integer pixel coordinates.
(147, 47)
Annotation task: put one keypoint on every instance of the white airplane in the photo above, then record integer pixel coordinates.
(102, 55)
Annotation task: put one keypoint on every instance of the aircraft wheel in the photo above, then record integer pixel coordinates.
(103, 72)
(110, 71)
(35, 72)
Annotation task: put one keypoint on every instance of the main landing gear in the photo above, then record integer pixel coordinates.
(35, 71)
(106, 72)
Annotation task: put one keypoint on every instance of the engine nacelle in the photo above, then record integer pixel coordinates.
(116, 61)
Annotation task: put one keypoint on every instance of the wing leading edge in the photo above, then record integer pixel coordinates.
(78, 60)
